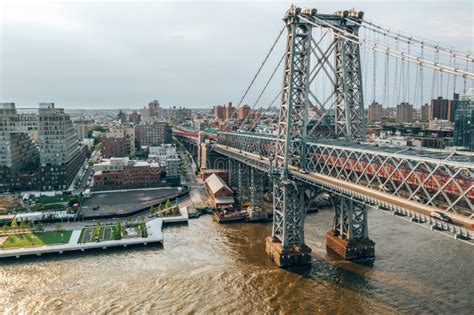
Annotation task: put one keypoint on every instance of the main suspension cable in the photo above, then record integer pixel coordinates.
(254, 77)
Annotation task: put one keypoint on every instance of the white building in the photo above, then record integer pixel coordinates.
(167, 157)
(58, 139)
(111, 165)
(441, 124)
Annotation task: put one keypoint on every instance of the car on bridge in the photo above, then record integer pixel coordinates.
(441, 216)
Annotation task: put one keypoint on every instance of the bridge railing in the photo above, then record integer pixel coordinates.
(435, 178)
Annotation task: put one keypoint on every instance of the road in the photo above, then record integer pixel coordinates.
(197, 189)
(358, 190)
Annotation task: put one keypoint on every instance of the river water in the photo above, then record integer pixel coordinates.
(209, 268)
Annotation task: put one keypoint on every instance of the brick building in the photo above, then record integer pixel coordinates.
(113, 147)
(375, 112)
(122, 173)
(154, 134)
(242, 112)
(135, 118)
(220, 195)
(443, 109)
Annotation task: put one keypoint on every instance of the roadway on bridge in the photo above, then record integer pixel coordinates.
(357, 189)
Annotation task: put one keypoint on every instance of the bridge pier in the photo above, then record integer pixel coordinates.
(243, 177)
(294, 255)
(286, 246)
(256, 211)
(348, 237)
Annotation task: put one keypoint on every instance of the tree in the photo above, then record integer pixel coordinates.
(176, 210)
(142, 227)
(14, 224)
(96, 232)
(152, 210)
(161, 207)
(168, 203)
(117, 230)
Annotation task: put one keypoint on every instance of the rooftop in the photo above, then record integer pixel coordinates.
(216, 183)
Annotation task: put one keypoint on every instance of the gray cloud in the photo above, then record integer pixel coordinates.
(122, 54)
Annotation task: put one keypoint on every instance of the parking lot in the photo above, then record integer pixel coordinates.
(124, 202)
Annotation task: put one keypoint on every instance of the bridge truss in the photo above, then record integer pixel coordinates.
(359, 174)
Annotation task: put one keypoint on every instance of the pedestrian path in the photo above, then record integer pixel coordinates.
(75, 237)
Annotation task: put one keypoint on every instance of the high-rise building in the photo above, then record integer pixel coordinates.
(16, 147)
(134, 118)
(154, 134)
(443, 109)
(464, 121)
(229, 110)
(404, 112)
(425, 113)
(82, 127)
(119, 142)
(219, 112)
(58, 139)
(154, 108)
(243, 112)
(60, 155)
(375, 112)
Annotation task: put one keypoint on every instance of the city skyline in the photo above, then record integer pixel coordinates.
(88, 55)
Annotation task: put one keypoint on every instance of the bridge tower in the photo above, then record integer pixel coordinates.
(287, 246)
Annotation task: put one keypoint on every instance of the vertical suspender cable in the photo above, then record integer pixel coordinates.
(407, 85)
(374, 83)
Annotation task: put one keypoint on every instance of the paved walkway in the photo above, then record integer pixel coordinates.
(154, 235)
(74, 237)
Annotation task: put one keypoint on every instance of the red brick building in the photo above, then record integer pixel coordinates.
(243, 112)
(132, 175)
(154, 134)
(220, 195)
(113, 147)
(134, 118)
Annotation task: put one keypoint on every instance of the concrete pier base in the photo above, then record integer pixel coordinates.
(350, 250)
(294, 256)
(258, 214)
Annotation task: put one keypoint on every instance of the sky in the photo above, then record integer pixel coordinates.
(116, 54)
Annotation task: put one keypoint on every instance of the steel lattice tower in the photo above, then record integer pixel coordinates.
(288, 199)
(349, 105)
(290, 150)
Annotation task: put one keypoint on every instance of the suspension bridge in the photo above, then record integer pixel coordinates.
(320, 143)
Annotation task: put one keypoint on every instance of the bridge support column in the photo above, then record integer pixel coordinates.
(349, 235)
(256, 212)
(243, 175)
(233, 172)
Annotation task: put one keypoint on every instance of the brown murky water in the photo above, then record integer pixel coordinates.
(209, 268)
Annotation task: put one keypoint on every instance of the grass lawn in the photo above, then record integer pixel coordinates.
(36, 239)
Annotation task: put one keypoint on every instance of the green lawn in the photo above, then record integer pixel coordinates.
(36, 239)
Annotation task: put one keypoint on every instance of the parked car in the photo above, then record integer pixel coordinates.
(441, 216)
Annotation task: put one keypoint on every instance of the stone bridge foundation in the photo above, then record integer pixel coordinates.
(348, 237)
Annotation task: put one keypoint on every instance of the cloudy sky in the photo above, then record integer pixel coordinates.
(111, 54)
